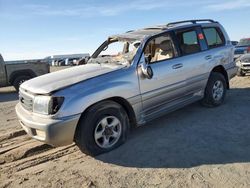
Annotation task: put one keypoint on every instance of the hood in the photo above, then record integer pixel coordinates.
(54, 81)
(245, 58)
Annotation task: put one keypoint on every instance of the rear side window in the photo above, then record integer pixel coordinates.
(189, 42)
(213, 37)
(190, 38)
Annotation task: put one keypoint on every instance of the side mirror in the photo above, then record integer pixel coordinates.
(146, 69)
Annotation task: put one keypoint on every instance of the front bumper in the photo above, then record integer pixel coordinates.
(56, 132)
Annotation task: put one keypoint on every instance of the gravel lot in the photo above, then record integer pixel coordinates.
(192, 147)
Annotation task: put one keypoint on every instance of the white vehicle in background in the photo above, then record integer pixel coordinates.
(243, 63)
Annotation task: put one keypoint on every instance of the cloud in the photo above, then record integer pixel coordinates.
(91, 10)
(228, 5)
(94, 10)
(109, 9)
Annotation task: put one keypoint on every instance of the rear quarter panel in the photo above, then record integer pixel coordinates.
(224, 55)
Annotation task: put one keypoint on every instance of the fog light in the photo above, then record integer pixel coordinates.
(40, 133)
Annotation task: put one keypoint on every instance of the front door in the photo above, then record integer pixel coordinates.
(167, 86)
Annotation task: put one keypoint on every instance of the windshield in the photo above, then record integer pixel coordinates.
(115, 51)
(244, 42)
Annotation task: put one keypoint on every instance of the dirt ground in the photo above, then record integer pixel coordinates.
(192, 147)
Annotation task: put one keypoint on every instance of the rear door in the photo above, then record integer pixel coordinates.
(218, 51)
(194, 58)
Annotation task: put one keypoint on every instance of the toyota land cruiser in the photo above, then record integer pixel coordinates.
(130, 79)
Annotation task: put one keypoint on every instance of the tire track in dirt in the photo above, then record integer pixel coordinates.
(35, 156)
(11, 135)
(18, 151)
(27, 149)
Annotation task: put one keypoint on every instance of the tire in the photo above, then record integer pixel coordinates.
(19, 80)
(91, 125)
(240, 72)
(214, 97)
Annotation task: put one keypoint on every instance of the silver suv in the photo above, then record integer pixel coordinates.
(131, 79)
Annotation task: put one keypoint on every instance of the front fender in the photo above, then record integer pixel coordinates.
(80, 96)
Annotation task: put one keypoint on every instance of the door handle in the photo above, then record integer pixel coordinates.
(177, 66)
(208, 57)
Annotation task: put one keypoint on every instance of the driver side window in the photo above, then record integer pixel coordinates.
(159, 49)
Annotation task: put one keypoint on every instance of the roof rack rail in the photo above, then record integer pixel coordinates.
(129, 31)
(157, 27)
(191, 21)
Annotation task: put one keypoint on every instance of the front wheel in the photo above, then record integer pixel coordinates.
(215, 91)
(102, 128)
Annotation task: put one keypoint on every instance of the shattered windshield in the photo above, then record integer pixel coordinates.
(116, 52)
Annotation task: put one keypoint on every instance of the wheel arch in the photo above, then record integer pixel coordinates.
(120, 100)
(222, 70)
(15, 74)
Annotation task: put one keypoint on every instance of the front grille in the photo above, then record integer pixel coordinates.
(26, 100)
(247, 65)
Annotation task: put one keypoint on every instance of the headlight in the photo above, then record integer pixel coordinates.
(47, 104)
(238, 63)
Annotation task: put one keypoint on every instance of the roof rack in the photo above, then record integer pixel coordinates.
(129, 31)
(191, 21)
(157, 27)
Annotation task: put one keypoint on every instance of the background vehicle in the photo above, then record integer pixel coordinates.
(243, 63)
(66, 59)
(82, 61)
(131, 79)
(234, 43)
(242, 47)
(16, 72)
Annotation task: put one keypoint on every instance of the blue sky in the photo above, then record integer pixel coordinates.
(39, 28)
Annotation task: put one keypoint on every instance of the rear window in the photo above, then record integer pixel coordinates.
(214, 38)
(189, 43)
(244, 42)
(190, 38)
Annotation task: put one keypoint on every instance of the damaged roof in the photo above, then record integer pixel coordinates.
(140, 34)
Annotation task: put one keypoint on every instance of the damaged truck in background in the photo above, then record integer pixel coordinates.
(14, 73)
